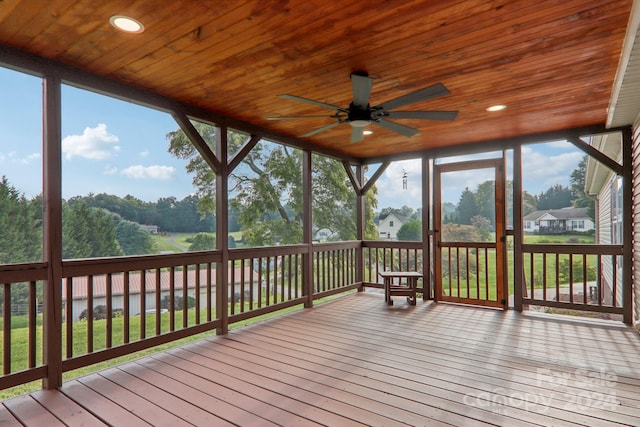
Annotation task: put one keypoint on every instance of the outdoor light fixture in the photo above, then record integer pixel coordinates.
(498, 107)
(126, 24)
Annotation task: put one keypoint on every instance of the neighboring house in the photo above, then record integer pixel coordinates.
(558, 221)
(153, 229)
(606, 187)
(80, 288)
(388, 226)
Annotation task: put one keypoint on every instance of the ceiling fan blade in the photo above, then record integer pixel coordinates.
(361, 86)
(323, 128)
(312, 102)
(357, 134)
(433, 91)
(300, 117)
(401, 129)
(428, 115)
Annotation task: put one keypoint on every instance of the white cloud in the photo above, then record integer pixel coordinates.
(13, 157)
(94, 143)
(144, 153)
(158, 173)
(541, 171)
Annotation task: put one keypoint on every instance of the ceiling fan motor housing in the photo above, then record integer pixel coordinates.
(359, 117)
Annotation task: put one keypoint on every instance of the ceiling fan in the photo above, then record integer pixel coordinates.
(360, 114)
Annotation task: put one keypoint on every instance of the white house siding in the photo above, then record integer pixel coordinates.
(636, 220)
(604, 237)
(389, 226)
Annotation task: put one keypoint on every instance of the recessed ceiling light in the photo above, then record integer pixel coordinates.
(498, 107)
(126, 24)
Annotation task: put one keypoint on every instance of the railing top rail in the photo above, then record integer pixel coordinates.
(258, 252)
(562, 248)
(328, 246)
(391, 244)
(468, 244)
(89, 266)
(12, 273)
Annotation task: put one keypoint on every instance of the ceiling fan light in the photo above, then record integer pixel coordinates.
(126, 24)
(359, 123)
(498, 107)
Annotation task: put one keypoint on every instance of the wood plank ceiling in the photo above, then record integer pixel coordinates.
(551, 62)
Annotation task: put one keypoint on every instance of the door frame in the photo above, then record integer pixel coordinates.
(502, 289)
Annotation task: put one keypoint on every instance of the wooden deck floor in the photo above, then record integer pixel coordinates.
(355, 361)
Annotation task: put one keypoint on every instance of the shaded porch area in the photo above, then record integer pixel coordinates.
(357, 361)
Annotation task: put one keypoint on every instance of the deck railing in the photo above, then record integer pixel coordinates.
(132, 303)
(334, 267)
(574, 277)
(391, 256)
(22, 343)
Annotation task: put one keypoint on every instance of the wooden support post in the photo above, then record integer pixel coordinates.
(222, 231)
(426, 228)
(307, 223)
(360, 226)
(518, 266)
(52, 238)
(627, 225)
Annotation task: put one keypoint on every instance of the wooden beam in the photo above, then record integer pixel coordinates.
(518, 238)
(377, 174)
(494, 145)
(197, 140)
(596, 154)
(242, 153)
(52, 218)
(307, 224)
(222, 232)
(426, 227)
(355, 181)
(360, 223)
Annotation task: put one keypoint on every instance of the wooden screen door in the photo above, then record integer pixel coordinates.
(469, 225)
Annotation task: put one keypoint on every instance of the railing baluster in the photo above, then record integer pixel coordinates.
(158, 293)
(571, 278)
(185, 296)
(109, 319)
(197, 294)
(584, 278)
(172, 299)
(6, 328)
(209, 292)
(68, 317)
(32, 314)
(127, 309)
(143, 304)
(90, 314)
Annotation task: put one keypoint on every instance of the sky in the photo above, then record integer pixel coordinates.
(111, 146)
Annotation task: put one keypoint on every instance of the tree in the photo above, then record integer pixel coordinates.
(556, 197)
(485, 198)
(88, 232)
(268, 193)
(467, 207)
(582, 200)
(411, 230)
(20, 225)
(203, 242)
